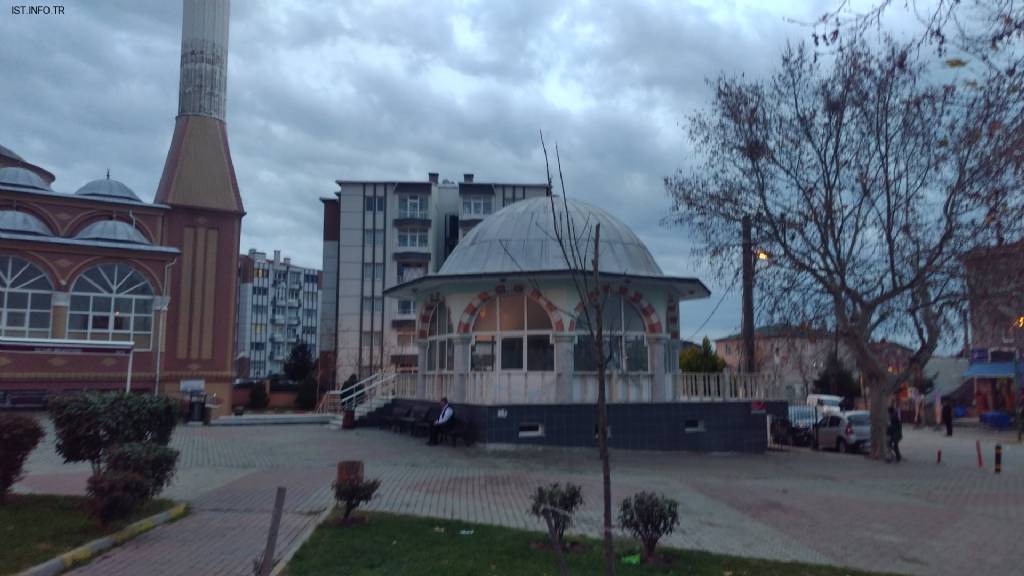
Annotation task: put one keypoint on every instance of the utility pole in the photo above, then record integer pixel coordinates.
(749, 365)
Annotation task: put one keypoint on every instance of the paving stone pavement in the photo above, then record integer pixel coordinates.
(915, 517)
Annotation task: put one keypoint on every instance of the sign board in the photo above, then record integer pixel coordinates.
(193, 386)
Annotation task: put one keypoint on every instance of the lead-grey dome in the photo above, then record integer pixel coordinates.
(112, 231)
(22, 223)
(521, 238)
(5, 151)
(22, 178)
(108, 188)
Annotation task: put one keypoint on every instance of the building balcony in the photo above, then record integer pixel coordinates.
(419, 255)
(277, 319)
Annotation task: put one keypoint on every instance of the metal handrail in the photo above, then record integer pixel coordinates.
(360, 388)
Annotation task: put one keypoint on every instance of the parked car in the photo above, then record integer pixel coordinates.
(825, 402)
(844, 431)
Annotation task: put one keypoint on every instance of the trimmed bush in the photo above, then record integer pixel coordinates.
(556, 505)
(352, 493)
(153, 462)
(19, 436)
(305, 398)
(116, 494)
(648, 517)
(258, 397)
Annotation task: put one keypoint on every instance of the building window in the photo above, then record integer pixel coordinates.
(440, 348)
(374, 203)
(412, 206)
(407, 272)
(406, 339)
(112, 302)
(624, 337)
(476, 206)
(406, 307)
(25, 298)
(373, 237)
(412, 238)
(371, 339)
(518, 329)
(372, 305)
(373, 271)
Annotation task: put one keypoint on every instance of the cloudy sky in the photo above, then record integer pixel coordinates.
(321, 90)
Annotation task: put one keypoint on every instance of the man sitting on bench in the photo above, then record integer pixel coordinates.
(444, 422)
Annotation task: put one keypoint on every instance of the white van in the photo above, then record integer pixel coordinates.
(825, 402)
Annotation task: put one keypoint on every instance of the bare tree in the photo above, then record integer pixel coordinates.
(868, 182)
(580, 245)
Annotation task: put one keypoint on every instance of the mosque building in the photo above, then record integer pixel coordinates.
(84, 275)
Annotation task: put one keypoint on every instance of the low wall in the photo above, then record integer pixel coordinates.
(692, 426)
(240, 397)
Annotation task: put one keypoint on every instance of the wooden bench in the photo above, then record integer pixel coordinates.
(409, 422)
(459, 429)
(392, 416)
(424, 424)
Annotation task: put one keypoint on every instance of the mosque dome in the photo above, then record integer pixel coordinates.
(108, 188)
(112, 231)
(521, 238)
(22, 223)
(22, 178)
(8, 153)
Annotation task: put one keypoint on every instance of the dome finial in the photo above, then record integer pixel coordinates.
(108, 173)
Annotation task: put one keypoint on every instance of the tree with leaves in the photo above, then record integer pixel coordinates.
(835, 379)
(867, 180)
(300, 362)
(700, 359)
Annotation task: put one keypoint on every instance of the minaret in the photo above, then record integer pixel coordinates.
(204, 222)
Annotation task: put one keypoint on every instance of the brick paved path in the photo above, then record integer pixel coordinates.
(915, 517)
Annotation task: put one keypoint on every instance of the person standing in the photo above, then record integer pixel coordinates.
(947, 416)
(895, 432)
(443, 423)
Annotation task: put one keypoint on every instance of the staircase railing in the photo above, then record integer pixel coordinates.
(366, 390)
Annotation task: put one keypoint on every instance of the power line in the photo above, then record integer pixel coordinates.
(715, 309)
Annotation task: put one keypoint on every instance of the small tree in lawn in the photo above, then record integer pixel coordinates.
(352, 492)
(649, 517)
(835, 378)
(300, 362)
(556, 505)
(19, 435)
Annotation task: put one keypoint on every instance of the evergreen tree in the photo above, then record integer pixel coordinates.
(702, 359)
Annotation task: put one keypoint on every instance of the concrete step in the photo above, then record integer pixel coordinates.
(272, 419)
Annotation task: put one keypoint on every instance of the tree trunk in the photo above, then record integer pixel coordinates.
(602, 412)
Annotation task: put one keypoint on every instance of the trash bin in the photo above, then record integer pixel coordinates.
(348, 419)
(207, 414)
(196, 406)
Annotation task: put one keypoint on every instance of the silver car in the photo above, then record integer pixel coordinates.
(844, 431)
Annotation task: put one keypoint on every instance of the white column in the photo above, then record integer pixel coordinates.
(460, 386)
(421, 369)
(657, 344)
(563, 367)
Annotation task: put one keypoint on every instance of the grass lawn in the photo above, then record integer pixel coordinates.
(37, 527)
(412, 546)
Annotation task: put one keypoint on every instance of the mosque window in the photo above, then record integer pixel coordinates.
(512, 332)
(440, 348)
(112, 302)
(25, 299)
(624, 338)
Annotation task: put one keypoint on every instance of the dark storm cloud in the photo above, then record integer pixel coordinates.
(325, 90)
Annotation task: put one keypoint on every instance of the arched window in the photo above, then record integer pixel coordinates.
(112, 302)
(624, 337)
(440, 351)
(512, 332)
(25, 299)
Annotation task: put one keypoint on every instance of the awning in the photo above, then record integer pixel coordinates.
(990, 370)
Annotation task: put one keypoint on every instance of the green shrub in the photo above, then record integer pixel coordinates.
(258, 398)
(116, 494)
(306, 398)
(352, 493)
(648, 517)
(19, 436)
(89, 424)
(556, 505)
(152, 461)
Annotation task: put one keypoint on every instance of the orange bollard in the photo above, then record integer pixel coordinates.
(977, 445)
(938, 457)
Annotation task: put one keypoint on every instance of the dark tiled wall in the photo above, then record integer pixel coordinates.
(725, 426)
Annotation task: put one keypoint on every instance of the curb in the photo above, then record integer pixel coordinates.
(283, 561)
(88, 551)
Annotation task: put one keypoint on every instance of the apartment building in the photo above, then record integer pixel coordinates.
(278, 305)
(379, 234)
